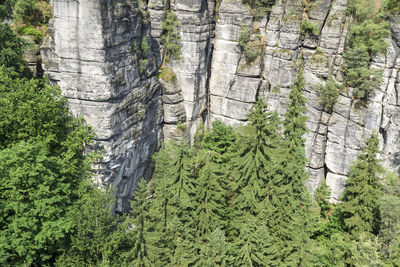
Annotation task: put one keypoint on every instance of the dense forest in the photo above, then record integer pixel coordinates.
(234, 197)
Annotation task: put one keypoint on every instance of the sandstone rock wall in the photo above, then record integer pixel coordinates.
(334, 139)
(189, 104)
(89, 55)
(94, 53)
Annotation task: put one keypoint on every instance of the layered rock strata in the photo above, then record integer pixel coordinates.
(95, 54)
(334, 139)
(187, 102)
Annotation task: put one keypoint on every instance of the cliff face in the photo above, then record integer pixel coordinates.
(95, 54)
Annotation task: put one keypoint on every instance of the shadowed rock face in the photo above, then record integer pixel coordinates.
(89, 55)
(93, 53)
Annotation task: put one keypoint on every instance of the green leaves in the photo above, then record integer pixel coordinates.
(43, 166)
(365, 39)
(170, 37)
(363, 189)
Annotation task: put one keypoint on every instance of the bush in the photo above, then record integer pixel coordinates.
(329, 94)
(370, 35)
(365, 40)
(167, 74)
(244, 35)
(361, 9)
(32, 12)
(251, 49)
(309, 27)
(32, 31)
(144, 46)
(260, 8)
(392, 7)
(142, 65)
(358, 74)
(170, 37)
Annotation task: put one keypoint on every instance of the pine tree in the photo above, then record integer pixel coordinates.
(255, 246)
(170, 37)
(360, 209)
(211, 205)
(138, 256)
(291, 217)
(215, 251)
(255, 158)
(253, 167)
(174, 202)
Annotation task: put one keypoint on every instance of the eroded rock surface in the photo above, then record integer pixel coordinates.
(94, 53)
(89, 54)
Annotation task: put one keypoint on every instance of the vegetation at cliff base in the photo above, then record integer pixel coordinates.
(234, 197)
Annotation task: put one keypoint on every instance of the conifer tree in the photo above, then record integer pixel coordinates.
(254, 245)
(256, 151)
(211, 203)
(174, 203)
(253, 168)
(360, 209)
(139, 228)
(170, 37)
(291, 219)
(215, 251)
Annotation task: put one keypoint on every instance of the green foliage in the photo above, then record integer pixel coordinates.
(260, 8)
(32, 12)
(308, 27)
(221, 140)
(11, 51)
(360, 210)
(142, 65)
(329, 94)
(144, 46)
(167, 74)
(392, 7)
(359, 76)
(42, 167)
(139, 227)
(32, 31)
(366, 39)
(244, 35)
(32, 109)
(321, 197)
(295, 120)
(251, 49)
(170, 37)
(215, 252)
(255, 246)
(369, 35)
(6, 7)
(361, 9)
(389, 208)
(98, 237)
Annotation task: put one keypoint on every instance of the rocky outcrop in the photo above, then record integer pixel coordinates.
(95, 53)
(334, 139)
(196, 19)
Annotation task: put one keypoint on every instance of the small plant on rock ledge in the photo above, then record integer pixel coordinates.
(309, 27)
(251, 49)
(259, 8)
(170, 37)
(329, 94)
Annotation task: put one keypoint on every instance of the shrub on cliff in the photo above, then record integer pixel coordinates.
(170, 37)
(329, 94)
